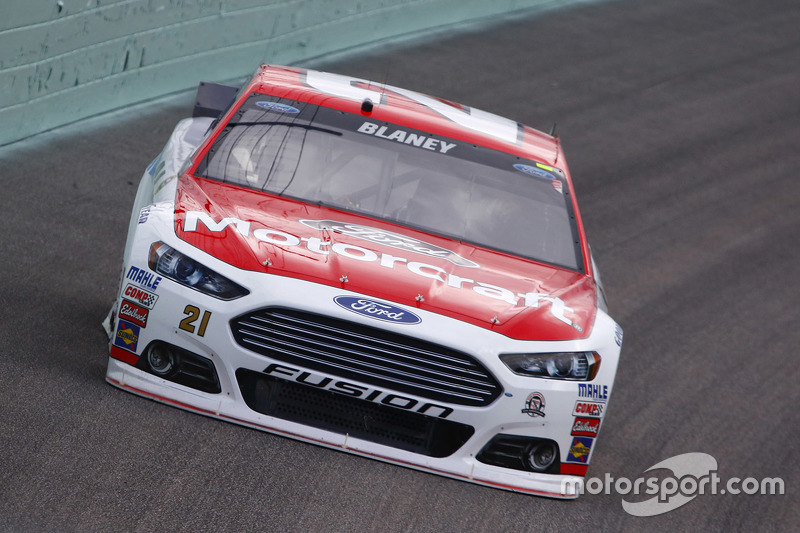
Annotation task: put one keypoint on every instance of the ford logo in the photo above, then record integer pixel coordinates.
(377, 310)
(533, 171)
(278, 107)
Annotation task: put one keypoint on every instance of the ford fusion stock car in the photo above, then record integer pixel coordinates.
(373, 270)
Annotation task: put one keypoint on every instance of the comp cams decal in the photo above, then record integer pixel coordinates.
(593, 409)
(139, 295)
(316, 245)
(377, 310)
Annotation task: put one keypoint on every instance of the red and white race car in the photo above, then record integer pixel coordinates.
(374, 270)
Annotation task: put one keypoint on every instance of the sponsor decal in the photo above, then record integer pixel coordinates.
(357, 391)
(534, 405)
(143, 277)
(388, 238)
(377, 310)
(586, 427)
(127, 335)
(140, 296)
(593, 392)
(534, 171)
(277, 107)
(134, 313)
(406, 137)
(579, 450)
(151, 168)
(593, 409)
(474, 119)
(144, 214)
(539, 172)
(282, 239)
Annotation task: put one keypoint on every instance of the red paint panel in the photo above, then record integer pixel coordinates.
(519, 292)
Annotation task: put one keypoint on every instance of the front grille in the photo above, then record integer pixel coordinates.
(331, 411)
(370, 355)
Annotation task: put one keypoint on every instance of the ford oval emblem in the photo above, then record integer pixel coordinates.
(377, 310)
(533, 171)
(278, 107)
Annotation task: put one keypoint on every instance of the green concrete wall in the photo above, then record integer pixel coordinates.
(64, 60)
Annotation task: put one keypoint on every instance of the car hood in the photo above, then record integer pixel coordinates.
(516, 297)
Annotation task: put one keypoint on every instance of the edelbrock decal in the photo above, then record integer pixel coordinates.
(388, 238)
(134, 313)
(377, 310)
(585, 427)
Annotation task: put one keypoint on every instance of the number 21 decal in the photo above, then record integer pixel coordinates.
(192, 315)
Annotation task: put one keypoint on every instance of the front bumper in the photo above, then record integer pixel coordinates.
(376, 417)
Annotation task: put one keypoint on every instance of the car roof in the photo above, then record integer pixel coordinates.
(408, 108)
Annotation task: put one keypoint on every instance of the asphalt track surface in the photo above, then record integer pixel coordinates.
(681, 122)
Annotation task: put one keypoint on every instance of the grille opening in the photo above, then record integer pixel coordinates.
(336, 412)
(367, 354)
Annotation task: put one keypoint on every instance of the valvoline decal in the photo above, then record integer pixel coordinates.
(377, 310)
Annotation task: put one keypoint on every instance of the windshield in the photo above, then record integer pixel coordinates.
(395, 173)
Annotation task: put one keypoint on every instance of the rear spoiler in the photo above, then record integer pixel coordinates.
(212, 99)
